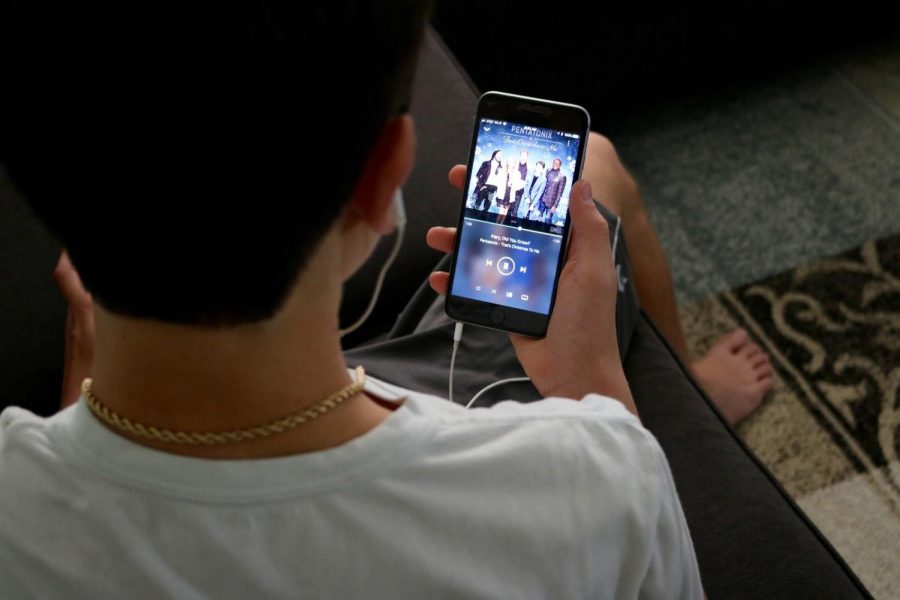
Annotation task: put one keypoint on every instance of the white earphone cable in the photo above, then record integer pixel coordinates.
(457, 337)
(401, 229)
(493, 385)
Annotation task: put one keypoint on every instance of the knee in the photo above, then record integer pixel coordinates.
(600, 147)
(602, 157)
(609, 177)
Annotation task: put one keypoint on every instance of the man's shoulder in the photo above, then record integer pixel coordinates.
(30, 457)
(596, 434)
(15, 421)
(593, 425)
(23, 433)
(591, 461)
(592, 410)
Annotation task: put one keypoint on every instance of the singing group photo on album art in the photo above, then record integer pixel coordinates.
(522, 175)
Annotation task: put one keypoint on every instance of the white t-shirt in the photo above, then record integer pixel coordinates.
(555, 499)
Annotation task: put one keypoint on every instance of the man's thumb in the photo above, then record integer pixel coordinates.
(589, 228)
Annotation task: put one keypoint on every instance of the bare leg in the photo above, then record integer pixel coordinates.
(736, 372)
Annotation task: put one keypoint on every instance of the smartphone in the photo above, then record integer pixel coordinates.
(513, 227)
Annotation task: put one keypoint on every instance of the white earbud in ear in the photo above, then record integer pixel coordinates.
(399, 209)
(400, 222)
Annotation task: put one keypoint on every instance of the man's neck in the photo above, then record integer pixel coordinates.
(205, 379)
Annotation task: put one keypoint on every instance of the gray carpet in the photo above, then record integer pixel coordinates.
(763, 178)
(830, 429)
(769, 175)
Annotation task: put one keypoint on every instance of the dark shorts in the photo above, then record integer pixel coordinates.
(416, 352)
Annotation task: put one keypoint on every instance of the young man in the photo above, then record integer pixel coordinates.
(211, 303)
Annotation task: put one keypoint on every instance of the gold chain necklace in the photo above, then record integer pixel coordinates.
(105, 414)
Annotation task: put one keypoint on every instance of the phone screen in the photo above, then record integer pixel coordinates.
(517, 200)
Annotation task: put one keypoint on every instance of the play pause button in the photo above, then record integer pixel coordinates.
(506, 265)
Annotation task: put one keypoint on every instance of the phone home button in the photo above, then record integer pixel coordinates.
(496, 316)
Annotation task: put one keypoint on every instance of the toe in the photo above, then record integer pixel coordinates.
(733, 341)
(759, 359)
(764, 370)
(764, 384)
(749, 350)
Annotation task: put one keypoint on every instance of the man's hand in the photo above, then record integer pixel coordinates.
(79, 353)
(580, 353)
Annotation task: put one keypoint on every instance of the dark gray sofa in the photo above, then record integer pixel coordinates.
(751, 539)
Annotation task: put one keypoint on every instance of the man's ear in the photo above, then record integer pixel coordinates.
(385, 170)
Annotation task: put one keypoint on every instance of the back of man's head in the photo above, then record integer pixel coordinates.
(191, 154)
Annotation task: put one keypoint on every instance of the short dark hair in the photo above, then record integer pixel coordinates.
(175, 147)
(540, 162)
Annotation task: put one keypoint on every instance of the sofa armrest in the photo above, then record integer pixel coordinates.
(750, 537)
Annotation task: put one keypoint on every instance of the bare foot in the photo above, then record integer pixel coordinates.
(736, 374)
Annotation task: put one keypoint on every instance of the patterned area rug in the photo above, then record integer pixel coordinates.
(830, 430)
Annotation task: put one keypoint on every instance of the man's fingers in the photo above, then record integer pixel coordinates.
(590, 231)
(438, 281)
(441, 238)
(457, 176)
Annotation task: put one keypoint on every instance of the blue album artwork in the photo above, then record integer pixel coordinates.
(517, 198)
